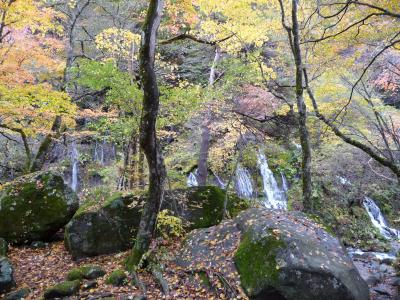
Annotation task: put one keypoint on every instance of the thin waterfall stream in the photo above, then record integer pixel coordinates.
(75, 167)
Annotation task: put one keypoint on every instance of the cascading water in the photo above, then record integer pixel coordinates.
(275, 197)
(378, 219)
(244, 187)
(99, 152)
(219, 182)
(192, 179)
(75, 168)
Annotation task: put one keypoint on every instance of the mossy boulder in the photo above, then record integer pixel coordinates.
(6, 275)
(117, 278)
(61, 290)
(18, 295)
(85, 272)
(275, 254)
(202, 207)
(35, 206)
(103, 228)
(3, 247)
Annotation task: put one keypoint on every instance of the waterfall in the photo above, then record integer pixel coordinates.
(219, 182)
(99, 152)
(285, 184)
(275, 196)
(378, 220)
(244, 187)
(75, 170)
(192, 179)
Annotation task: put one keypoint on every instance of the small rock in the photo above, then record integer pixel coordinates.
(85, 272)
(64, 289)
(18, 295)
(383, 268)
(372, 280)
(6, 275)
(38, 245)
(382, 291)
(3, 247)
(396, 281)
(89, 285)
(117, 278)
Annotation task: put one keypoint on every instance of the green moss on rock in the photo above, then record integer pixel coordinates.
(102, 227)
(117, 278)
(255, 260)
(61, 290)
(85, 272)
(35, 206)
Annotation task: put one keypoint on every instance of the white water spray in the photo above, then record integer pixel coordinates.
(378, 219)
(75, 169)
(275, 196)
(244, 187)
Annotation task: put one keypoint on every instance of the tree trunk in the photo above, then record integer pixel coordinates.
(148, 138)
(301, 106)
(141, 177)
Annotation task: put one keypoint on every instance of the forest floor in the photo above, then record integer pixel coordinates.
(40, 268)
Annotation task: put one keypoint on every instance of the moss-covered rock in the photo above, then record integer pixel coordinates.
(61, 290)
(256, 262)
(3, 247)
(35, 206)
(277, 255)
(18, 295)
(102, 228)
(85, 272)
(202, 207)
(6, 275)
(117, 278)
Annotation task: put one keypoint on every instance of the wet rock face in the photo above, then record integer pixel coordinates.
(6, 275)
(276, 253)
(35, 206)
(102, 229)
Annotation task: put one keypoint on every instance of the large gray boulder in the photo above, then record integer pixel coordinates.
(35, 206)
(275, 254)
(103, 228)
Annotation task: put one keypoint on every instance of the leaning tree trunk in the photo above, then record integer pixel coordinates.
(148, 138)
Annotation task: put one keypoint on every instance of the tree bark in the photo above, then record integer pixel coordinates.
(148, 138)
(294, 41)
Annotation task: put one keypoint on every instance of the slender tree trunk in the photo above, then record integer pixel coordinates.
(301, 106)
(133, 164)
(148, 138)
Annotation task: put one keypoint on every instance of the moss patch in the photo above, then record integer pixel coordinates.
(117, 278)
(64, 289)
(85, 272)
(34, 207)
(255, 260)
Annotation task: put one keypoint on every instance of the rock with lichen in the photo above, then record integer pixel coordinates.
(35, 206)
(275, 254)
